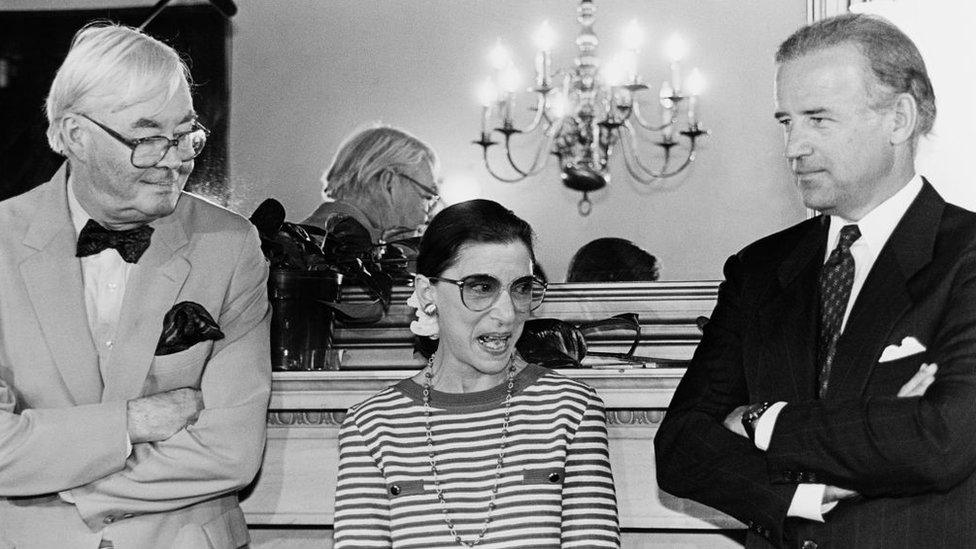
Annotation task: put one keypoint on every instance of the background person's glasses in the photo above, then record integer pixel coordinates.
(428, 194)
(480, 291)
(149, 151)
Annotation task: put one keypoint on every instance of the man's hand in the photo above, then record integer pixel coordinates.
(158, 417)
(733, 421)
(920, 381)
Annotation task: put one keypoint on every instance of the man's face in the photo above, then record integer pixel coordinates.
(114, 191)
(837, 145)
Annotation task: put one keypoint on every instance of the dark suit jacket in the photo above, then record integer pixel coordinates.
(912, 459)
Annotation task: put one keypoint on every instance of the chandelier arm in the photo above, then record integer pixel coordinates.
(495, 175)
(639, 174)
(632, 159)
(540, 113)
(649, 173)
(542, 155)
(539, 161)
(635, 109)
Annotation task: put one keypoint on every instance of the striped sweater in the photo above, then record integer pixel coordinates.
(556, 489)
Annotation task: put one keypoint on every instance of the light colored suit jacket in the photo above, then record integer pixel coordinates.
(63, 415)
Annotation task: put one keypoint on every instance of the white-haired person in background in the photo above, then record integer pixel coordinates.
(384, 178)
(134, 345)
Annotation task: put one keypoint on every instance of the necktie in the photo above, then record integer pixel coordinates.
(130, 243)
(836, 279)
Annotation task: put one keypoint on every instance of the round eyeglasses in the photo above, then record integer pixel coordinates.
(480, 291)
(147, 152)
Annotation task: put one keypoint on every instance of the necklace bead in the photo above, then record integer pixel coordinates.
(428, 380)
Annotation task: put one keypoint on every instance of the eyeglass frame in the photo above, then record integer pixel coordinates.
(432, 196)
(460, 286)
(133, 143)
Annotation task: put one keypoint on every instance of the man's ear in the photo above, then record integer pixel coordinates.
(904, 119)
(75, 139)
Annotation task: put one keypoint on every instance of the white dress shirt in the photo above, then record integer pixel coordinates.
(105, 275)
(876, 227)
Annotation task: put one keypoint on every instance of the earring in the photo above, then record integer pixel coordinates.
(430, 309)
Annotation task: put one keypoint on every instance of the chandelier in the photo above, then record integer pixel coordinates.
(588, 112)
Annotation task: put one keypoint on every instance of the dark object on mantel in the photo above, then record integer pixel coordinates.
(309, 267)
(556, 343)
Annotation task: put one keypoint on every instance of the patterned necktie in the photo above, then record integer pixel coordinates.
(836, 279)
(130, 243)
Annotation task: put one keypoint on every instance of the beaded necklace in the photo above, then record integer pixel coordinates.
(428, 377)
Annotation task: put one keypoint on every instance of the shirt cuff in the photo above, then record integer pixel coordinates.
(808, 502)
(765, 424)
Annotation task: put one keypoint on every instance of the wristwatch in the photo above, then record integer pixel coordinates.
(751, 416)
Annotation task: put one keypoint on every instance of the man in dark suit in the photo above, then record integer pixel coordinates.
(813, 409)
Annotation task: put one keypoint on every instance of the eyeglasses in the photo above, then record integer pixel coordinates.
(428, 194)
(147, 152)
(480, 291)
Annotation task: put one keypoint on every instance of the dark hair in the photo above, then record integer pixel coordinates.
(892, 56)
(453, 228)
(471, 222)
(612, 260)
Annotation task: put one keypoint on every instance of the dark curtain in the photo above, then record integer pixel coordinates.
(33, 45)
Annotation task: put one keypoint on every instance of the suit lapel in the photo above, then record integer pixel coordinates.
(789, 315)
(56, 289)
(885, 296)
(151, 291)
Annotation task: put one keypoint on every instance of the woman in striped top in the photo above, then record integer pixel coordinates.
(479, 448)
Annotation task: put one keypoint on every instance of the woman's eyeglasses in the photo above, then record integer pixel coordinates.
(480, 291)
(147, 152)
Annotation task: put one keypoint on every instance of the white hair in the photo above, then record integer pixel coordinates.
(367, 153)
(111, 66)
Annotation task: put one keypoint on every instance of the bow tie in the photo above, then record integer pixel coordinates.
(130, 243)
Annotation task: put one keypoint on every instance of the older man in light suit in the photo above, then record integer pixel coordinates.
(134, 359)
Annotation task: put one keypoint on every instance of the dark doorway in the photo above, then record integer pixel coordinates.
(33, 45)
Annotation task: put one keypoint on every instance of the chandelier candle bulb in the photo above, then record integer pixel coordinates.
(544, 39)
(498, 57)
(633, 36)
(542, 64)
(676, 49)
(695, 84)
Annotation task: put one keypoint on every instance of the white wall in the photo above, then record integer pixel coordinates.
(943, 32)
(307, 72)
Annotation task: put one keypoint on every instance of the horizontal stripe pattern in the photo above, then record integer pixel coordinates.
(556, 487)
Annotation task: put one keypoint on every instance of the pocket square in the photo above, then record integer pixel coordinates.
(909, 346)
(185, 325)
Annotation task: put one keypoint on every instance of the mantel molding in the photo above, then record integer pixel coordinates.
(335, 391)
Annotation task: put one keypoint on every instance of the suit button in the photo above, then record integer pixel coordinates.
(554, 477)
(109, 519)
(808, 544)
(395, 489)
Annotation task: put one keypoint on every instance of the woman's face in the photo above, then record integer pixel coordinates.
(480, 343)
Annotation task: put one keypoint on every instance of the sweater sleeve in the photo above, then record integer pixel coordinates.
(362, 505)
(589, 513)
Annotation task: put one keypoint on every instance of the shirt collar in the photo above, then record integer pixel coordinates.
(78, 214)
(880, 222)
